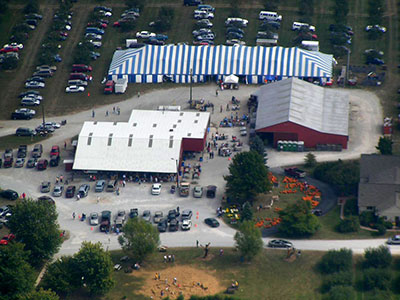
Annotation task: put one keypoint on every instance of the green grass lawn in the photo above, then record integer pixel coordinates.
(269, 276)
(13, 141)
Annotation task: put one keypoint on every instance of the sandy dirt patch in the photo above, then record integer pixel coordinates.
(189, 281)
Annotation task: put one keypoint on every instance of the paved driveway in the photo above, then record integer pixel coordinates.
(365, 123)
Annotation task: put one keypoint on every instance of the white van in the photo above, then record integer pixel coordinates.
(298, 26)
(269, 15)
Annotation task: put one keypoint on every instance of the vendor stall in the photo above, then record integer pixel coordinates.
(231, 82)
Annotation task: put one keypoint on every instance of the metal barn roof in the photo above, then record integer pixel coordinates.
(149, 142)
(303, 103)
(221, 60)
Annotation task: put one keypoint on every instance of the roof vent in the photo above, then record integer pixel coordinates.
(196, 121)
(134, 124)
(89, 140)
(174, 126)
(130, 140)
(150, 141)
(189, 134)
(95, 123)
(171, 130)
(181, 114)
(198, 114)
(179, 121)
(115, 123)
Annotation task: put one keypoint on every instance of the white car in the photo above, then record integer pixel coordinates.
(145, 34)
(156, 189)
(376, 27)
(243, 22)
(186, 224)
(19, 46)
(94, 218)
(34, 85)
(74, 89)
(201, 14)
(54, 124)
(68, 27)
(26, 111)
(30, 102)
(96, 44)
(105, 13)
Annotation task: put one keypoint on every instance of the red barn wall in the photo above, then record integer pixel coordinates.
(289, 131)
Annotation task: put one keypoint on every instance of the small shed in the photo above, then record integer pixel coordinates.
(68, 163)
(231, 82)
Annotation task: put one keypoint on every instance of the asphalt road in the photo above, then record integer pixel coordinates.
(365, 121)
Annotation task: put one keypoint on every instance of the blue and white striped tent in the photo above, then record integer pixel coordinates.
(150, 64)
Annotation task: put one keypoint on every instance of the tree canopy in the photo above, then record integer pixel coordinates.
(139, 238)
(297, 220)
(17, 277)
(248, 240)
(94, 267)
(42, 241)
(385, 145)
(41, 295)
(248, 176)
(60, 276)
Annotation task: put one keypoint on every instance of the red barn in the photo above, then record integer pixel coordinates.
(295, 110)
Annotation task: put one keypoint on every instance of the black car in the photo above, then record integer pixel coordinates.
(46, 199)
(134, 212)
(279, 244)
(22, 95)
(54, 160)
(162, 225)
(174, 225)
(211, 222)
(9, 194)
(172, 214)
(21, 116)
(70, 193)
(31, 163)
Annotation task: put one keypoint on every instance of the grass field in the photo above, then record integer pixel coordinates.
(13, 141)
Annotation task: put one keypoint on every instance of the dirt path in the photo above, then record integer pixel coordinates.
(25, 70)
(60, 79)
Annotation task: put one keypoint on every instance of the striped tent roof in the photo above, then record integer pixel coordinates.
(221, 60)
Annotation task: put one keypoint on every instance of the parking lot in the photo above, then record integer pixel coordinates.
(364, 134)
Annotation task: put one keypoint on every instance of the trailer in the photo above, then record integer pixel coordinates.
(120, 85)
(310, 45)
(130, 42)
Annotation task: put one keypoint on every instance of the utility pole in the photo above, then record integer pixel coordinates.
(347, 66)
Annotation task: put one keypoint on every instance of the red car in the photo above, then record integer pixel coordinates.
(6, 239)
(42, 164)
(109, 88)
(55, 150)
(9, 49)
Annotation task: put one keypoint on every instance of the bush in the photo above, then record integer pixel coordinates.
(350, 224)
(367, 218)
(310, 160)
(340, 293)
(377, 257)
(351, 207)
(381, 229)
(376, 279)
(336, 261)
(335, 279)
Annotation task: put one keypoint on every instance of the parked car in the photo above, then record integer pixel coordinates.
(21, 115)
(211, 222)
(37, 150)
(77, 82)
(70, 192)
(186, 224)
(204, 23)
(4, 210)
(94, 219)
(162, 225)
(8, 162)
(202, 31)
(369, 28)
(211, 191)
(19, 163)
(109, 88)
(280, 244)
(27, 93)
(146, 215)
(83, 190)
(158, 215)
(198, 191)
(172, 214)
(201, 14)
(46, 199)
(25, 132)
(295, 172)
(30, 102)
(9, 49)
(174, 225)
(45, 187)
(74, 89)
(58, 190)
(54, 160)
(44, 73)
(42, 164)
(55, 150)
(34, 85)
(100, 184)
(9, 194)
(133, 213)
(31, 163)
(156, 189)
(236, 21)
(6, 239)
(14, 45)
(145, 34)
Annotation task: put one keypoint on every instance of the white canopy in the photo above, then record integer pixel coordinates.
(231, 79)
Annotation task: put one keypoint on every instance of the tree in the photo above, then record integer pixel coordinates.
(297, 220)
(94, 267)
(247, 212)
(41, 295)
(42, 241)
(340, 292)
(257, 145)
(139, 238)
(248, 240)
(60, 276)
(17, 277)
(339, 278)
(385, 145)
(310, 160)
(248, 177)
(377, 257)
(376, 279)
(351, 224)
(32, 7)
(336, 261)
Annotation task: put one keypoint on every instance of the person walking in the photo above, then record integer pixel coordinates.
(106, 113)
(73, 215)
(216, 93)
(118, 110)
(220, 110)
(197, 243)
(93, 113)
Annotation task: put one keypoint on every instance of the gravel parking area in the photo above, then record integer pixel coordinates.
(365, 128)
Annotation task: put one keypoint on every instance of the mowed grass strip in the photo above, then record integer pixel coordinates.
(13, 141)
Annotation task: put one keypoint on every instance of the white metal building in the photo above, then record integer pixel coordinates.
(151, 141)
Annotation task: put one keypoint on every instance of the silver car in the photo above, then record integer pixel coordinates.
(198, 191)
(394, 240)
(94, 218)
(146, 215)
(58, 190)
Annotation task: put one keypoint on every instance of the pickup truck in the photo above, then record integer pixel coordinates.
(105, 221)
(295, 172)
